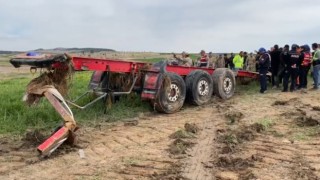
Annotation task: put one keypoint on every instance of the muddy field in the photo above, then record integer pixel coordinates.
(252, 136)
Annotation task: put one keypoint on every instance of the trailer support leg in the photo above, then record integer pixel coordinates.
(66, 132)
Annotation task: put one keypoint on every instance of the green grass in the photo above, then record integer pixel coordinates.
(299, 137)
(266, 123)
(252, 88)
(152, 60)
(16, 117)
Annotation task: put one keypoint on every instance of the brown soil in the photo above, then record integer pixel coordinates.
(216, 149)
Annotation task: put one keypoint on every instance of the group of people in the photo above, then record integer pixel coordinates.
(289, 65)
(236, 62)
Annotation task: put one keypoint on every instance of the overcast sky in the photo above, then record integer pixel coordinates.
(158, 25)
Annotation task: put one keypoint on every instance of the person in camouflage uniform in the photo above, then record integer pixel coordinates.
(220, 62)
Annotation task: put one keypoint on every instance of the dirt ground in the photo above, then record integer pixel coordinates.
(269, 136)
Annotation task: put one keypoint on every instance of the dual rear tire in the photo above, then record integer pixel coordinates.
(197, 88)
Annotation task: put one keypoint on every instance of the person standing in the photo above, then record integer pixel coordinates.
(204, 60)
(231, 61)
(275, 61)
(212, 60)
(220, 62)
(238, 61)
(305, 66)
(226, 60)
(245, 60)
(185, 60)
(257, 57)
(316, 65)
(264, 64)
(284, 58)
(292, 66)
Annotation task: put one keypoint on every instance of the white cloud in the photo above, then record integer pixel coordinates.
(157, 25)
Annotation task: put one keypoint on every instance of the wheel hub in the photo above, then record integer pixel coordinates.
(174, 93)
(227, 85)
(203, 88)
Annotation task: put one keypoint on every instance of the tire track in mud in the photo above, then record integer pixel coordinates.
(197, 165)
(268, 155)
(118, 152)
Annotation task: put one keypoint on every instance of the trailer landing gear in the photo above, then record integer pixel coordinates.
(66, 132)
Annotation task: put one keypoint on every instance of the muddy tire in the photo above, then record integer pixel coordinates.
(199, 87)
(224, 83)
(171, 95)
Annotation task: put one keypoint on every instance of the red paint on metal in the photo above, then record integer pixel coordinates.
(112, 65)
(52, 139)
(184, 71)
(150, 81)
(147, 96)
(248, 74)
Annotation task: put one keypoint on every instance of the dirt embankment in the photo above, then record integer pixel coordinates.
(247, 137)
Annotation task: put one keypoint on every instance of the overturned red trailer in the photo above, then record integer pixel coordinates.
(165, 86)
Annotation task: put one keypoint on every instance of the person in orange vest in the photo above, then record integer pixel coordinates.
(305, 66)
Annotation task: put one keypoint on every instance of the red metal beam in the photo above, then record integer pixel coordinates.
(183, 71)
(248, 74)
(113, 65)
(123, 66)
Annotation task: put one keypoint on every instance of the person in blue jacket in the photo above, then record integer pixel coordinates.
(264, 64)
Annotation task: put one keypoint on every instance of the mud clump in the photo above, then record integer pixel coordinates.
(307, 117)
(182, 134)
(303, 121)
(189, 131)
(284, 103)
(191, 128)
(316, 108)
(230, 148)
(247, 135)
(259, 128)
(234, 116)
(33, 138)
(183, 139)
(234, 164)
(180, 146)
(280, 103)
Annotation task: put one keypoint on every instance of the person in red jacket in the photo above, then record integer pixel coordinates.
(305, 66)
(203, 60)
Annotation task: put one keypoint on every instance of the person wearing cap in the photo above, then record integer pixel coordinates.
(316, 65)
(185, 60)
(203, 60)
(264, 64)
(304, 66)
(292, 66)
(238, 61)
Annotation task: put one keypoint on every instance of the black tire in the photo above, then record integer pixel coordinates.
(224, 83)
(199, 87)
(171, 96)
